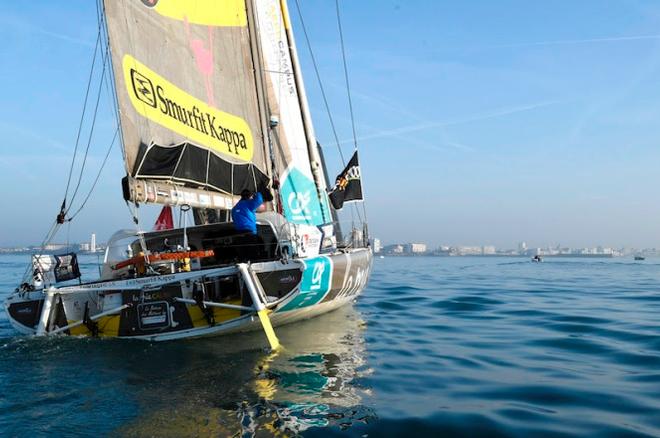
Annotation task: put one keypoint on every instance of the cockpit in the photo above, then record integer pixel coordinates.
(129, 254)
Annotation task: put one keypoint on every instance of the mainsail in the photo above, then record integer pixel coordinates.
(212, 102)
(186, 86)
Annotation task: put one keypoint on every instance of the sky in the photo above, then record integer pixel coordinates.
(478, 122)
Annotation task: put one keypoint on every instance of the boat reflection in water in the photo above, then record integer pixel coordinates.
(224, 390)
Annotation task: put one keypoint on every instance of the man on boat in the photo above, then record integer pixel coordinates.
(249, 245)
(244, 212)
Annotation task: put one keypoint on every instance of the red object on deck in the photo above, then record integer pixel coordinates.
(165, 220)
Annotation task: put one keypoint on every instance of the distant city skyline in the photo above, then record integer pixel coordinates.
(517, 247)
(421, 248)
(378, 245)
(479, 123)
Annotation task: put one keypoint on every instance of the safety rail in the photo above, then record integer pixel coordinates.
(215, 304)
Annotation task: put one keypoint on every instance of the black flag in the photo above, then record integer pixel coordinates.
(348, 186)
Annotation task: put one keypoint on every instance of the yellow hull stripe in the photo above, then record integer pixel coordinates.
(220, 315)
(108, 327)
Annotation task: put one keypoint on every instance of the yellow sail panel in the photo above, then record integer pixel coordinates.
(220, 13)
(157, 99)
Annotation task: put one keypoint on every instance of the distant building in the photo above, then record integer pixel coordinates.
(92, 243)
(415, 248)
(469, 250)
(84, 247)
(522, 247)
(55, 247)
(488, 250)
(394, 249)
(376, 245)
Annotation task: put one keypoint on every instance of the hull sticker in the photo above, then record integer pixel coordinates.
(316, 282)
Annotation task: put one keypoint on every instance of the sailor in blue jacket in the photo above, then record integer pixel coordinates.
(244, 212)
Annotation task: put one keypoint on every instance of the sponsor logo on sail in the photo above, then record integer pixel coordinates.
(299, 205)
(157, 99)
(143, 88)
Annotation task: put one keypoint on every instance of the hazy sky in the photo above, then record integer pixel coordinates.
(481, 122)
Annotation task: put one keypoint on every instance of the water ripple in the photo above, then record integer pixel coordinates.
(435, 347)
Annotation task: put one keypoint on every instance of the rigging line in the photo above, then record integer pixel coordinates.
(348, 86)
(52, 232)
(325, 100)
(114, 102)
(108, 87)
(98, 176)
(318, 78)
(82, 116)
(68, 235)
(111, 101)
(350, 99)
(136, 219)
(110, 78)
(91, 132)
(132, 213)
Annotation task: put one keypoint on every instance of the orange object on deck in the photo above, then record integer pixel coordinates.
(164, 256)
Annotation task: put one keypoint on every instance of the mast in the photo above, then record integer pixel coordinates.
(262, 94)
(315, 160)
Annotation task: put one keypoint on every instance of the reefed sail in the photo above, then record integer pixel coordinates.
(187, 94)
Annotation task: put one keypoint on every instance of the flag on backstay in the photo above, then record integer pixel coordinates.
(165, 220)
(348, 186)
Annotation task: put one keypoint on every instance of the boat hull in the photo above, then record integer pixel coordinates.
(161, 308)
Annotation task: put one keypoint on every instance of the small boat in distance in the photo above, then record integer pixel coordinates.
(640, 257)
(537, 258)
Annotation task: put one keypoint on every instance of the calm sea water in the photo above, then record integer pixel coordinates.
(435, 347)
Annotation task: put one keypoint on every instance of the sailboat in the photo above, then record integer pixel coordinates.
(211, 103)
